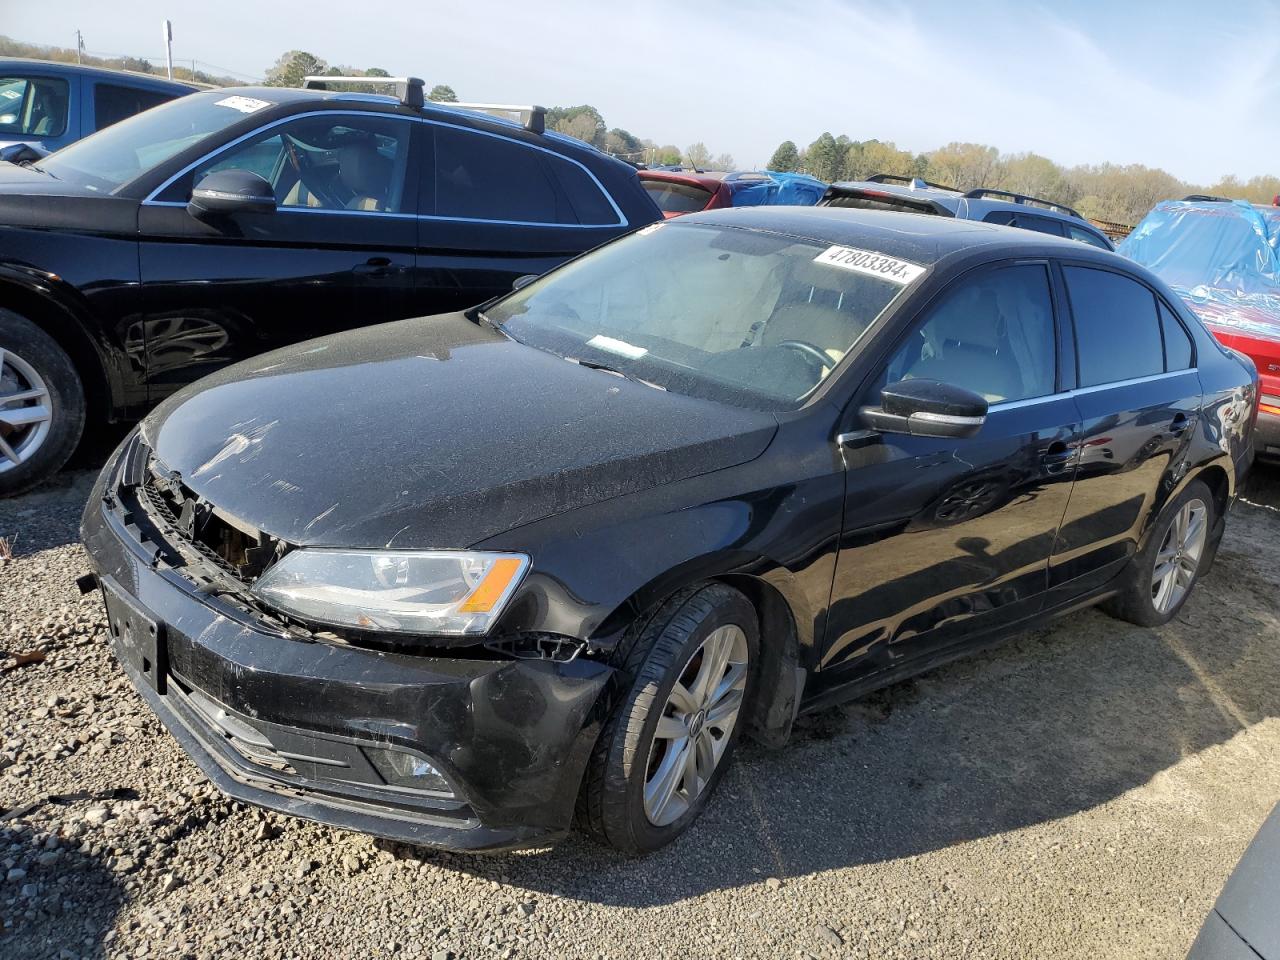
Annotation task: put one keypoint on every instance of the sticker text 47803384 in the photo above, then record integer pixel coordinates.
(871, 263)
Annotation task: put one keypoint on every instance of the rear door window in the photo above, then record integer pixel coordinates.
(491, 178)
(1178, 351)
(113, 103)
(1117, 327)
(1028, 221)
(33, 106)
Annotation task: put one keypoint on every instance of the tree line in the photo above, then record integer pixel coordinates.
(1122, 193)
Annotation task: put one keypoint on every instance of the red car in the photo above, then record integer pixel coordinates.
(677, 192)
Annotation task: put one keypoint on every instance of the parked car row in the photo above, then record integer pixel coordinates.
(545, 556)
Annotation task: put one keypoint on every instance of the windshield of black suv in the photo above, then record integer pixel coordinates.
(110, 158)
(748, 317)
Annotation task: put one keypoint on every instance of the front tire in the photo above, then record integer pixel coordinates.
(668, 742)
(1178, 551)
(42, 406)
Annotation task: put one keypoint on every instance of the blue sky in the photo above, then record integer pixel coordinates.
(1188, 86)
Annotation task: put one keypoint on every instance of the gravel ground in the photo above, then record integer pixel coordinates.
(1082, 791)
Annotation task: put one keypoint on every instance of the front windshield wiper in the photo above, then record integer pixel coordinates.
(597, 365)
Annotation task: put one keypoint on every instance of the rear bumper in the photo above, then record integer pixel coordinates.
(291, 724)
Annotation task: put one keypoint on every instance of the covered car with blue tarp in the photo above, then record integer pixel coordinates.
(1223, 258)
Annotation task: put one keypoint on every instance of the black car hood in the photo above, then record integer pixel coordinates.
(38, 201)
(435, 432)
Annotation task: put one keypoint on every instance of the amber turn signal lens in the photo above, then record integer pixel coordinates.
(492, 587)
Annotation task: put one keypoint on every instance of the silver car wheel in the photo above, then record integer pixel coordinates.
(25, 410)
(696, 724)
(1179, 556)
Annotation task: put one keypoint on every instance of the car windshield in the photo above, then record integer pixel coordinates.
(748, 317)
(110, 158)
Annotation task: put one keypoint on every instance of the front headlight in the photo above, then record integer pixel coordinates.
(453, 593)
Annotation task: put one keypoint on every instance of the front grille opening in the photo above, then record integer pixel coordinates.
(235, 547)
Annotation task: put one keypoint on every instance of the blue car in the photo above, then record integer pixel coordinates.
(49, 105)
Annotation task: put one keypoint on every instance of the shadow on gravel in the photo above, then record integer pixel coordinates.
(67, 904)
(1056, 722)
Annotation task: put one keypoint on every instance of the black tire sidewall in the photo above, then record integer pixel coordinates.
(642, 708)
(66, 401)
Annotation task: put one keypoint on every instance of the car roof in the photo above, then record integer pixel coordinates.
(920, 237)
(129, 77)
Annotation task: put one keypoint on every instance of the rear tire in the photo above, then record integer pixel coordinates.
(664, 748)
(42, 407)
(1179, 549)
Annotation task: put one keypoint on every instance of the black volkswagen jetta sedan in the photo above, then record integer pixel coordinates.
(449, 579)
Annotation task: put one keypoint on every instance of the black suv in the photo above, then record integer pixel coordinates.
(887, 191)
(233, 221)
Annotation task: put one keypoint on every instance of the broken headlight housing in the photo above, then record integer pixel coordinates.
(435, 592)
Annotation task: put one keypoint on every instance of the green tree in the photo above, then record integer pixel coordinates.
(965, 166)
(823, 158)
(289, 70)
(620, 143)
(583, 121)
(786, 159)
(667, 155)
(697, 156)
(442, 93)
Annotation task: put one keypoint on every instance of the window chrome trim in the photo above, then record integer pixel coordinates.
(622, 221)
(1078, 391)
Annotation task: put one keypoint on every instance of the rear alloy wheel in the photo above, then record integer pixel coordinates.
(670, 739)
(1178, 551)
(41, 404)
(1178, 558)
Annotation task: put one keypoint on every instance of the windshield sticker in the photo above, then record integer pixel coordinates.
(243, 104)
(620, 347)
(871, 263)
(651, 228)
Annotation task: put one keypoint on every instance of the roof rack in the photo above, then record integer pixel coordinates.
(907, 181)
(408, 89)
(1021, 198)
(1206, 198)
(532, 118)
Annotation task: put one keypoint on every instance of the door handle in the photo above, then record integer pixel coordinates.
(1179, 425)
(1057, 454)
(375, 267)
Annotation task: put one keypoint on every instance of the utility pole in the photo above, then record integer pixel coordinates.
(168, 48)
(79, 45)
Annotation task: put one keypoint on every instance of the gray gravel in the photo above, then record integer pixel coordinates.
(1081, 792)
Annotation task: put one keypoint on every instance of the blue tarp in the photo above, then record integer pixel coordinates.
(1222, 258)
(772, 189)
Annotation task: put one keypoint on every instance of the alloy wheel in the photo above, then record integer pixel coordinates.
(25, 410)
(696, 724)
(1179, 556)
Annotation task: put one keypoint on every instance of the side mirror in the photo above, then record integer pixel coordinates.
(521, 282)
(927, 408)
(226, 192)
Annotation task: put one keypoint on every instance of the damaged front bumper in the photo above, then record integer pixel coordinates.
(298, 724)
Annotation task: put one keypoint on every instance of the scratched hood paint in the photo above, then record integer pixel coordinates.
(434, 432)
